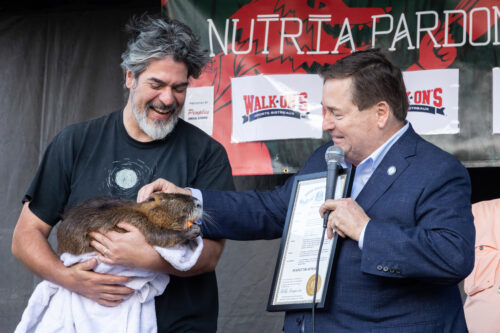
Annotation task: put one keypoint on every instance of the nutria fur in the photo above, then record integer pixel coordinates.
(164, 219)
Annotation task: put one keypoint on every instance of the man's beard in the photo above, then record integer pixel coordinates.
(160, 128)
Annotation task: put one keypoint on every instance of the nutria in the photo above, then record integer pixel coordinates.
(164, 219)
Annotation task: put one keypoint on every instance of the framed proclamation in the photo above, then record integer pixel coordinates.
(295, 273)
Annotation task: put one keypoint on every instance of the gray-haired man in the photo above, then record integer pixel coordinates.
(116, 155)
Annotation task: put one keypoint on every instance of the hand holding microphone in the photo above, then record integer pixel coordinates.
(344, 215)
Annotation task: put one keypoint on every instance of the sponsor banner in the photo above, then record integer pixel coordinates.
(276, 107)
(199, 108)
(496, 100)
(433, 97)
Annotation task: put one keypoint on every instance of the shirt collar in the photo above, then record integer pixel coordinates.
(378, 155)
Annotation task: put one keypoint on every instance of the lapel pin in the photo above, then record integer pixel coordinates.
(391, 170)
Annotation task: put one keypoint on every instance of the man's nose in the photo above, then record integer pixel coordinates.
(328, 123)
(167, 96)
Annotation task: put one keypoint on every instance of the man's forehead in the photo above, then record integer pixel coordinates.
(345, 82)
(165, 63)
(155, 79)
(336, 90)
(164, 70)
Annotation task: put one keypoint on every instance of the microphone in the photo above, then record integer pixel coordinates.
(334, 155)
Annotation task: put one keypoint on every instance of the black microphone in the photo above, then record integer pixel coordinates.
(334, 155)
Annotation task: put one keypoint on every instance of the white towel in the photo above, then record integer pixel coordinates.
(52, 308)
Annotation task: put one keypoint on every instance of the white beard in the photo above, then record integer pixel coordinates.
(160, 128)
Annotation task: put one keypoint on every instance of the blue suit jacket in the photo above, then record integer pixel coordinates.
(418, 244)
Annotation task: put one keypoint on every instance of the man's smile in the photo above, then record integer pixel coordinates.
(160, 112)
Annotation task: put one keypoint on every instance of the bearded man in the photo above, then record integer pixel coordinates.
(116, 155)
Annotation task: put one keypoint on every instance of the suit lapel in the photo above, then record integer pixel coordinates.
(395, 160)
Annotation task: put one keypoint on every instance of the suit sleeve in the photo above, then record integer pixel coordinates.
(245, 215)
(438, 246)
(251, 215)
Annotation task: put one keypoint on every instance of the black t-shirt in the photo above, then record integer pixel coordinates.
(98, 157)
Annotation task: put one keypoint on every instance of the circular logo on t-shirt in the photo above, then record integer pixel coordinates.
(126, 177)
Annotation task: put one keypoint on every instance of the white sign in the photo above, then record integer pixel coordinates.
(276, 107)
(496, 100)
(199, 108)
(433, 97)
(297, 270)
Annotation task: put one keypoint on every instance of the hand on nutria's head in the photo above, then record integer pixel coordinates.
(165, 219)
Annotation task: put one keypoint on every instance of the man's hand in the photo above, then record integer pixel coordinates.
(347, 218)
(159, 185)
(104, 289)
(128, 248)
(131, 249)
(30, 245)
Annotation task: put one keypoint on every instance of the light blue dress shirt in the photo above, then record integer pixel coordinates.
(367, 167)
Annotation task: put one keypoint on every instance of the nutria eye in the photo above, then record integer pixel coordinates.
(151, 199)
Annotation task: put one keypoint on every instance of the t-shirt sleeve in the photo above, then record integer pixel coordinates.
(50, 187)
(215, 171)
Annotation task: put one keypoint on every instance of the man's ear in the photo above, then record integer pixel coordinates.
(383, 112)
(129, 79)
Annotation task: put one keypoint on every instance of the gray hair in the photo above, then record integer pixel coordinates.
(156, 38)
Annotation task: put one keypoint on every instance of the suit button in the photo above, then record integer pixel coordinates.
(386, 268)
(379, 267)
(391, 270)
(398, 271)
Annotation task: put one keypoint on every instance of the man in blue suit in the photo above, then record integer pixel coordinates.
(408, 233)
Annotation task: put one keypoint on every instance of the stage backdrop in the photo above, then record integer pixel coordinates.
(261, 94)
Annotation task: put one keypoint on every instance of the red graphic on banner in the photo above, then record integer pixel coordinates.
(479, 18)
